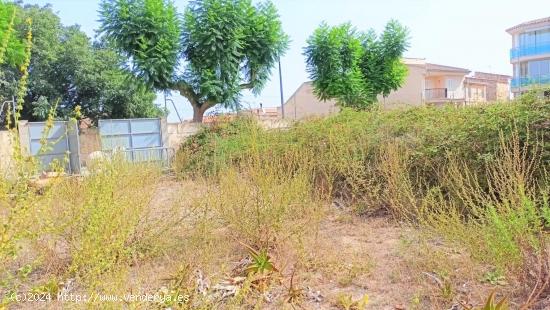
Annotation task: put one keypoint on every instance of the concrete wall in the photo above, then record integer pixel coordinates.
(173, 135)
(6, 148)
(502, 91)
(411, 93)
(304, 104)
(89, 142)
(498, 85)
(177, 133)
(477, 92)
(24, 137)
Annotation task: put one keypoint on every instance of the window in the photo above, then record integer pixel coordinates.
(523, 69)
(527, 39)
(534, 68)
(543, 36)
(539, 68)
(534, 38)
(451, 84)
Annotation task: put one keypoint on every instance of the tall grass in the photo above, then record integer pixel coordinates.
(85, 229)
(476, 176)
(349, 148)
(69, 233)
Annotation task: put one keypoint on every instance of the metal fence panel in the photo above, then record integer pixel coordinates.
(74, 146)
(139, 139)
(56, 144)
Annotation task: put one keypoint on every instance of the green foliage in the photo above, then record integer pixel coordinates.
(261, 262)
(491, 304)
(148, 31)
(96, 219)
(355, 67)
(494, 277)
(202, 153)
(105, 91)
(11, 47)
(474, 176)
(333, 57)
(102, 237)
(346, 302)
(262, 204)
(66, 66)
(345, 141)
(225, 46)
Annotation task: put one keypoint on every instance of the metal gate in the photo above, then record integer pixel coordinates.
(140, 139)
(58, 144)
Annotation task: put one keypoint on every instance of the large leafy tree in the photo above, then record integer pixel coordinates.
(68, 69)
(11, 47)
(356, 67)
(217, 49)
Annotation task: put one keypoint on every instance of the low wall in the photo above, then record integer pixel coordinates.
(276, 123)
(89, 142)
(174, 135)
(177, 133)
(6, 159)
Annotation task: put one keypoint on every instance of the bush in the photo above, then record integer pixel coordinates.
(350, 146)
(263, 206)
(475, 177)
(497, 226)
(87, 229)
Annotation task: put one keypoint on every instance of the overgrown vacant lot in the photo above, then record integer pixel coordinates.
(418, 209)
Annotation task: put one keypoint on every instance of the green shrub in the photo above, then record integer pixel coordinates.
(474, 176)
(348, 146)
(86, 228)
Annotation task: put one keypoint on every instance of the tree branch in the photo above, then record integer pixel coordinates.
(247, 85)
(251, 83)
(187, 91)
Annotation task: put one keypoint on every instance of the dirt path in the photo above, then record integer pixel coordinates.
(350, 257)
(366, 261)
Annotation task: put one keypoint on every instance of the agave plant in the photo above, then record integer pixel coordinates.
(490, 304)
(261, 262)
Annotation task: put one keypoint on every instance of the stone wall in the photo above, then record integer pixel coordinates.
(173, 135)
(89, 142)
(177, 133)
(6, 160)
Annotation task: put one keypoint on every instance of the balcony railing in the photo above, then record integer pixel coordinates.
(436, 93)
(518, 82)
(533, 50)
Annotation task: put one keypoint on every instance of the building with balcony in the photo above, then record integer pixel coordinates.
(426, 84)
(530, 55)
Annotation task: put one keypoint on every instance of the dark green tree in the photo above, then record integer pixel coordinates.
(356, 67)
(11, 52)
(215, 51)
(66, 67)
(11, 47)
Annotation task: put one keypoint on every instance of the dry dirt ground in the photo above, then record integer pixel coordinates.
(349, 257)
(352, 256)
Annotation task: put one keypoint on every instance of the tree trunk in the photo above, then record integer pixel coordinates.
(198, 112)
(198, 109)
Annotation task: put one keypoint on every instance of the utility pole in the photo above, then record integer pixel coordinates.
(165, 101)
(281, 90)
(173, 104)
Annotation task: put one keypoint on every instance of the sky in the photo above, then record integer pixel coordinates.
(468, 33)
